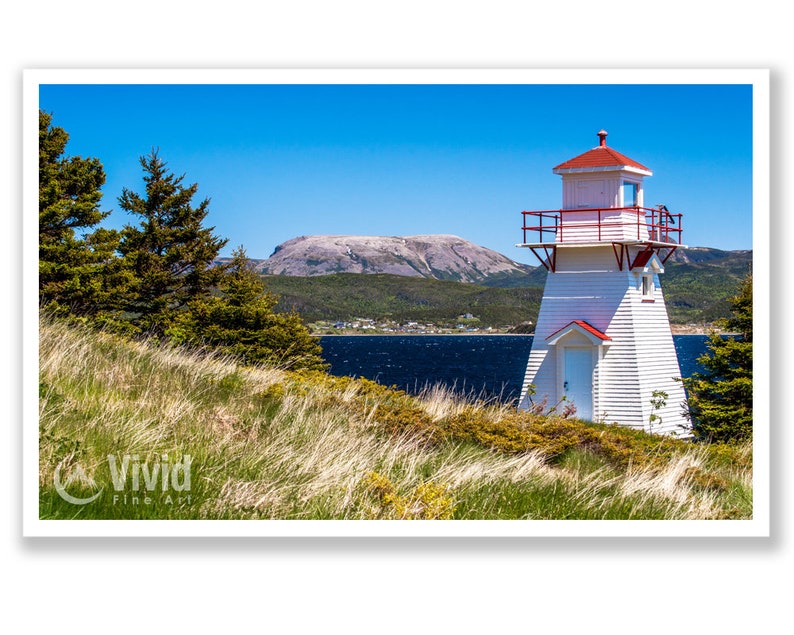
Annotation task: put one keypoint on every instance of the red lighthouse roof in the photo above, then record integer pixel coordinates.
(601, 158)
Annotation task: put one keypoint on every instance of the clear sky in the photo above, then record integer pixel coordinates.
(279, 161)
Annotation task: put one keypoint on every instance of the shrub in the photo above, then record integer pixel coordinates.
(427, 501)
(721, 399)
(241, 322)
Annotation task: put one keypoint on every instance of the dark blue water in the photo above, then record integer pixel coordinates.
(488, 366)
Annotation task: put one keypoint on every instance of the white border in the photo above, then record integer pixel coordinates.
(759, 526)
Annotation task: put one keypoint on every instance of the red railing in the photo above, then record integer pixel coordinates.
(642, 223)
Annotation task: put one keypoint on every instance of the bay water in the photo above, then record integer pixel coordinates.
(487, 366)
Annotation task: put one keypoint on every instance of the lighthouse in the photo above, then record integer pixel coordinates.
(602, 340)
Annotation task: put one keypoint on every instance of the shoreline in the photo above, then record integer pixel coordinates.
(675, 330)
(696, 329)
(359, 334)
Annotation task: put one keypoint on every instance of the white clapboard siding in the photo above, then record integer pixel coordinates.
(639, 358)
(590, 226)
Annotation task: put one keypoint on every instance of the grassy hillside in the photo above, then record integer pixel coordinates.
(263, 443)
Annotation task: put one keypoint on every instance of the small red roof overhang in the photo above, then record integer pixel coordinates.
(642, 258)
(584, 325)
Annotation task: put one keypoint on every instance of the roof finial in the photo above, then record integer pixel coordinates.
(602, 135)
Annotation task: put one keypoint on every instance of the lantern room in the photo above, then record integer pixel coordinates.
(602, 202)
(601, 178)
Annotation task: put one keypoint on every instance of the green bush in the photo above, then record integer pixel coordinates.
(721, 398)
(241, 322)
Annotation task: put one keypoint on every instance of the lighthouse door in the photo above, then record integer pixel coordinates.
(578, 380)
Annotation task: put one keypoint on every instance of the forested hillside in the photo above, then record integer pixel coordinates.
(381, 296)
(697, 284)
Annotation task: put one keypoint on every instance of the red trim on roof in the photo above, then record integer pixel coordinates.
(642, 258)
(587, 327)
(600, 157)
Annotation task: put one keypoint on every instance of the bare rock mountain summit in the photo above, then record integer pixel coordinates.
(439, 256)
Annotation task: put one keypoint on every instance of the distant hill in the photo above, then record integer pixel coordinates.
(345, 296)
(698, 281)
(342, 277)
(718, 257)
(435, 256)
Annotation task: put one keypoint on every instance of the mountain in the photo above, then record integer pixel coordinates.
(710, 256)
(437, 256)
(697, 283)
(330, 277)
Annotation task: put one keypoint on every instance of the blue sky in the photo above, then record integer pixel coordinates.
(279, 161)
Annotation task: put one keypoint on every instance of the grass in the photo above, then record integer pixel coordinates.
(267, 443)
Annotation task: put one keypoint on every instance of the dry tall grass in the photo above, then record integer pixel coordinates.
(269, 443)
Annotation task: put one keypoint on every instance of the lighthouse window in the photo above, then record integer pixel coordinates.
(647, 286)
(629, 194)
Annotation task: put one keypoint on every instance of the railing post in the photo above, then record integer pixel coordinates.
(638, 222)
(599, 224)
(562, 227)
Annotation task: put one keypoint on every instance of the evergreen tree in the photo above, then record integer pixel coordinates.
(721, 399)
(77, 266)
(242, 322)
(170, 254)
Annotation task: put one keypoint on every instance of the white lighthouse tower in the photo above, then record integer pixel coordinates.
(602, 339)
